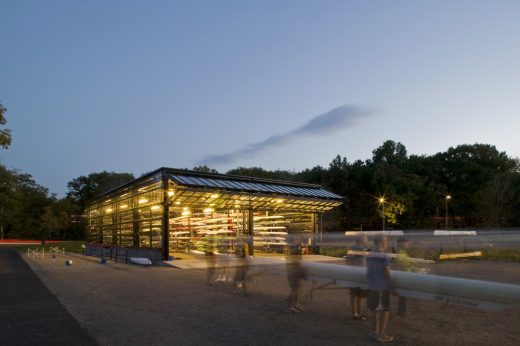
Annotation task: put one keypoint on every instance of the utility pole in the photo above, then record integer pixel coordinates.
(382, 202)
(448, 197)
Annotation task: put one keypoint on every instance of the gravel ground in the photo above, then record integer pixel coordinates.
(123, 304)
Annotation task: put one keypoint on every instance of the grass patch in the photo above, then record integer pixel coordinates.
(426, 253)
(333, 251)
(510, 255)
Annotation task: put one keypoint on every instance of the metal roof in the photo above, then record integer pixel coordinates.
(217, 181)
(263, 186)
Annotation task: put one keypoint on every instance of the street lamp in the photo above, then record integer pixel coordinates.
(448, 197)
(382, 202)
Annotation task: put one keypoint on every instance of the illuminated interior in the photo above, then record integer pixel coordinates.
(180, 210)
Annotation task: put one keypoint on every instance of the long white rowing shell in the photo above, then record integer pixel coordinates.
(443, 289)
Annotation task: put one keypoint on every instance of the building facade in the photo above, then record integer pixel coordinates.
(178, 210)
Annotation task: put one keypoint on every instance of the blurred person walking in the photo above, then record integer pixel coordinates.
(241, 269)
(357, 294)
(295, 273)
(379, 286)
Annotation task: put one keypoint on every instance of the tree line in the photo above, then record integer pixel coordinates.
(469, 185)
(482, 182)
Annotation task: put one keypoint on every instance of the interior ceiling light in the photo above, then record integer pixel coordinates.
(142, 200)
(108, 210)
(171, 193)
(186, 212)
(124, 206)
(208, 210)
(177, 202)
(215, 195)
(155, 207)
(279, 200)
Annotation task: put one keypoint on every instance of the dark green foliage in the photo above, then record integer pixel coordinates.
(483, 182)
(85, 188)
(5, 134)
(22, 203)
(204, 169)
(259, 172)
(27, 210)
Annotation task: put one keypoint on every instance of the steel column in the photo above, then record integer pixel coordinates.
(165, 225)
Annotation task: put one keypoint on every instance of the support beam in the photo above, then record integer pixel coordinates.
(165, 236)
(314, 231)
(250, 231)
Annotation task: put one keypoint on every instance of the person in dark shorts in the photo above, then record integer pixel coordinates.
(241, 269)
(357, 294)
(295, 273)
(379, 286)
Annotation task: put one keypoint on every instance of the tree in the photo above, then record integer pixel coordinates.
(22, 202)
(467, 169)
(84, 188)
(259, 172)
(204, 169)
(315, 175)
(496, 202)
(5, 134)
(49, 222)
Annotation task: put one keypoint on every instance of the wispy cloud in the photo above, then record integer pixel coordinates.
(321, 125)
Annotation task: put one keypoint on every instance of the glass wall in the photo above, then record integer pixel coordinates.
(210, 221)
(201, 219)
(130, 218)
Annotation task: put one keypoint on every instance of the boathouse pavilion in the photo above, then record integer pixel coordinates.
(177, 210)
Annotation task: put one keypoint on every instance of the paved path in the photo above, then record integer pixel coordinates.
(29, 313)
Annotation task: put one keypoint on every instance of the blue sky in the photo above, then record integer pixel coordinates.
(130, 86)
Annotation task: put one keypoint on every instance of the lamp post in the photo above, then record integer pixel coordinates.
(448, 197)
(382, 202)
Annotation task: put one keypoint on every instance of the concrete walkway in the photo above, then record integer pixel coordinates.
(29, 313)
(202, 262)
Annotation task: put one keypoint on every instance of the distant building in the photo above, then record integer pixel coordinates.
(180, 210)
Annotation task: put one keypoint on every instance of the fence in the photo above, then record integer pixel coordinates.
(56, 251)
(36, 253)
(122, 254)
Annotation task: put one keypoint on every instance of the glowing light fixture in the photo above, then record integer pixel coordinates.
(208, 210)
(142, 200)
(382, 203)
(177, 202)
(186, 213)
(124, 206)
(108, 210)
(171, 193)
(215, 195)
(155, 207)
(279, 200)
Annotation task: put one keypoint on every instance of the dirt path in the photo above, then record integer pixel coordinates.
(124, 304)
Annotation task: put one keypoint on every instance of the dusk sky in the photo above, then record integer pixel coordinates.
(130, 86)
